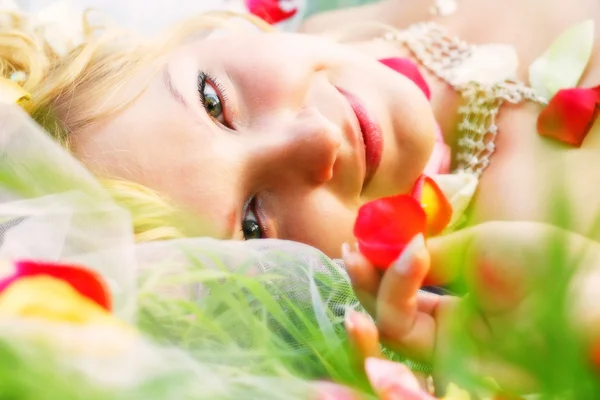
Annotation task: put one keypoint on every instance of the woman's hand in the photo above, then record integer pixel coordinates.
(389, 380)
(501, 263)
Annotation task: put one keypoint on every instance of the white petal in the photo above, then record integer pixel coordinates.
(459, 189)
(488, 64)
(562, 65)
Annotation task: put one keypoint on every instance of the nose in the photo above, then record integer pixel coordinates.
(305, 148)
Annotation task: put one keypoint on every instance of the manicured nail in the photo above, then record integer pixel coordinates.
(333, 391)
(357, 321)
(380, 372)
(345, 250)
(403, 263)
(392, 378)
(348, 322)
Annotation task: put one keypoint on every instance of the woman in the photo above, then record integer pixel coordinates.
(286, 136)
(258, 87)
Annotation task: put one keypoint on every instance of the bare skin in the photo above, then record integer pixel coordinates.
(526, 174)
(285, 149)
(526, 170)
(288, 137)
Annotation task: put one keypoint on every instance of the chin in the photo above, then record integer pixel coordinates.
(400, 169)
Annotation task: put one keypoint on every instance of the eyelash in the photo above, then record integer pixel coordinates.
(203, 79)
(251, 206)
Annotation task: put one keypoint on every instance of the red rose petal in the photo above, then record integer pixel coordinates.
(595, 356)
(380, 255)
(417, 190)
(269, 10)
(409, 69)
(86, 282)
(385, 226)
(570, 115)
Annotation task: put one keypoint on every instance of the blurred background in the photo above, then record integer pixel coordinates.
(150, 16)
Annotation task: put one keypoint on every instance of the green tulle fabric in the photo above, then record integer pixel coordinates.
(218, 319)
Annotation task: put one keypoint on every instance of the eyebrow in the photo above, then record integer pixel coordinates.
(172, 89)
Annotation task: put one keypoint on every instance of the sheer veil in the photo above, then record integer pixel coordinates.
(264, 308)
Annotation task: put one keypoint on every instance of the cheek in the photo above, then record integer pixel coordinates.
(318, 219)
(413, 118)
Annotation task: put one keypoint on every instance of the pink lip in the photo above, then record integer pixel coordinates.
(371, 132)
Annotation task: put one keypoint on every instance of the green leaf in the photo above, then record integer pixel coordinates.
(562, 65)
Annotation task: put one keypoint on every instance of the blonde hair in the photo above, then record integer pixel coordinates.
(67, 91)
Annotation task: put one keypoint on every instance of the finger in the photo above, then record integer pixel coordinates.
(500, 261)
(332, 391)
(364, 277)
(509, 377)
(363, 336)
(398, 317)
(518, 242)
(480, 349)
(394, 381)
(427, 302)
(488, 261)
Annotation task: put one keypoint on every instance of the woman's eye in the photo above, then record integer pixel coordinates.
(212, 102)
(212, 96)
(250, 227)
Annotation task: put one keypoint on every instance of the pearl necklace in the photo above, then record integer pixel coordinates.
(442, 55)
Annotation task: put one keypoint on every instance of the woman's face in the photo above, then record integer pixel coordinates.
(267, 135)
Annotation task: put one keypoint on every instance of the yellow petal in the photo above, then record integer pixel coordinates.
(12, 93)
(436, 206)
(50, 299)
(459, 189)
(455, 393)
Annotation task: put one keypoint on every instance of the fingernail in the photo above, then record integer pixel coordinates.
(354, 320)
(348, 322)
(345, 250)
(391, 378)
(333, 391)
(357, 321)
(379, 372)
(403, 263)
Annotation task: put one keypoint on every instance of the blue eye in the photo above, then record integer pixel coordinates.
(210, 97)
